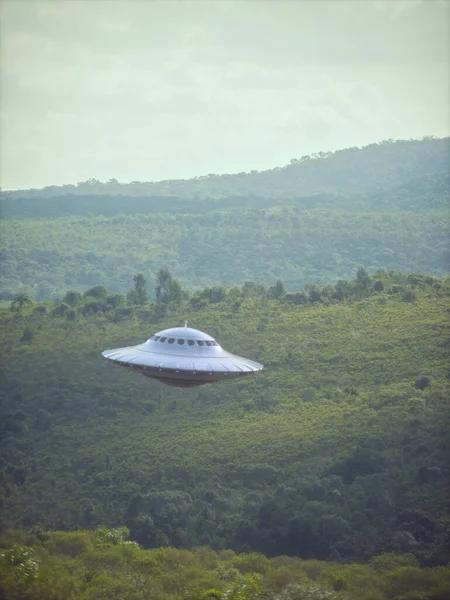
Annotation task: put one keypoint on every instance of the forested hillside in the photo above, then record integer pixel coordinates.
(338, 450)
(318, 219)
(103, 564)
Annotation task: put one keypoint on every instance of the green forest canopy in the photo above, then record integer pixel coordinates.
(384, 206)
(337, 450)
(103, 564)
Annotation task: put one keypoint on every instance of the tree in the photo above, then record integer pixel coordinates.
(379, 286)
(362, 281)
(314, 293)
(168, 290)
(60, 310)
(73, 298)
(98, 291)
(296, 297)
(115, 300)
(140, 287)
(176, 292)
(20, 301)
(217, 293)
(252, 289)
(132, 296)
(277, 291)
(341, 290)
(162, 284)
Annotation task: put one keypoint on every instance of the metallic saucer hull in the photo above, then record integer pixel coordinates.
(183, 357)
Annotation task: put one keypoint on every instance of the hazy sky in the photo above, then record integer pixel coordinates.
(154, 90)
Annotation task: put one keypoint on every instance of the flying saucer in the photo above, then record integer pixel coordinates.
(183, 357)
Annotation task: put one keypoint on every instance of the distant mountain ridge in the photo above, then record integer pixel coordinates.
(421, 193)
(348, 170)
(384, 206)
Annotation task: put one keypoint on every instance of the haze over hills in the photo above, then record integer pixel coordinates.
(325, 475)
(384, 206)
(354, 170)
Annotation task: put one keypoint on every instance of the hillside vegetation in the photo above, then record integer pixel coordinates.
(316, 220)
(103, 564)
(338, 450)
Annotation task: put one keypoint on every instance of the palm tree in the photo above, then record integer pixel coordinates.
(20, 301)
